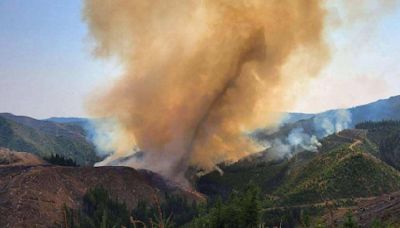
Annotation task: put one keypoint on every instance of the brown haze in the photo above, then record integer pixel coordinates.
(200, 74)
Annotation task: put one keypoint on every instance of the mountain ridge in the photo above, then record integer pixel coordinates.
(382, 109)
(45, 138)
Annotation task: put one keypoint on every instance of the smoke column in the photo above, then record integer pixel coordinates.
(200, 74)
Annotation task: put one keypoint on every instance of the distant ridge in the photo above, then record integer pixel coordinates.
(383, 109)
(67, 136)
(78, 120)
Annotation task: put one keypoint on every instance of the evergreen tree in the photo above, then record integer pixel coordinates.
(251, 206)
(349, 221)
(240, 210)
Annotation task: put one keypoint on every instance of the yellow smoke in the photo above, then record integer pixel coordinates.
(200, 74)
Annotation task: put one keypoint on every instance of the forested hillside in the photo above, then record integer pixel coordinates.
(46, 138)
(350, 165)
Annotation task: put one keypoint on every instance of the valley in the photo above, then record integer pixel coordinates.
(354, 172)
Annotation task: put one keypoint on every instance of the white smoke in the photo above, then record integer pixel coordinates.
(332, 122)
(298, 139)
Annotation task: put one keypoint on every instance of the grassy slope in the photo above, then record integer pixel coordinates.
(342, 173)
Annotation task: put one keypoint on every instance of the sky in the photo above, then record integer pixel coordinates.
(46, 67)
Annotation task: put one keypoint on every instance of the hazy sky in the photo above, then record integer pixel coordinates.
(45, 63)
(46, 68)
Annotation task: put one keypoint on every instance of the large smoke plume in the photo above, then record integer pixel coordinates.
(200, 74)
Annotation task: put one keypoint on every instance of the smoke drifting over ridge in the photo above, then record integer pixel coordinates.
(199, 75)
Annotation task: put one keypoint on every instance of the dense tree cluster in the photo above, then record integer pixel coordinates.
(240, 210)
(370, 125)
(386, 135)
(100, 210)
(174, 210)
(60, 160)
